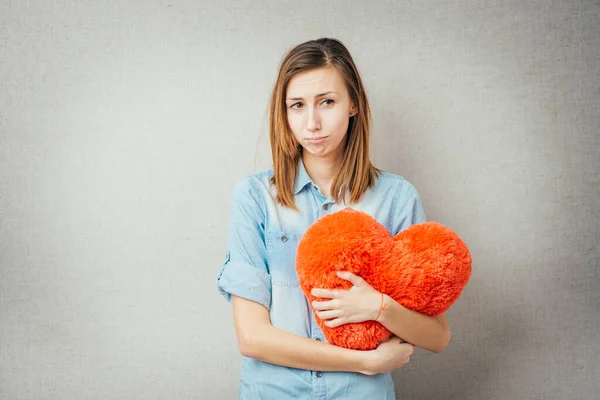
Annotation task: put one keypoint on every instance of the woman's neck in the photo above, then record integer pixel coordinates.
(322, 170)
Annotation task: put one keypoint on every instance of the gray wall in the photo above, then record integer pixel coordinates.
(124, 126)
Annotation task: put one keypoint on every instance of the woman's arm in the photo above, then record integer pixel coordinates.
(258, 339)
(362, 303)
(431, 333)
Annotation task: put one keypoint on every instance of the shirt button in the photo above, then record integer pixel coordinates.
(284, 238)
(325, 207)
(319, 374)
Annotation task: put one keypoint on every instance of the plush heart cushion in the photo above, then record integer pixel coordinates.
(424, 268)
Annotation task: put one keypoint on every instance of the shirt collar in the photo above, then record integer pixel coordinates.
(302, 178)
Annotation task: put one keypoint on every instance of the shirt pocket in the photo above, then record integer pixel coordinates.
(281, 258)
(289, 307)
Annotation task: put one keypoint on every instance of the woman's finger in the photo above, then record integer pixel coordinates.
(355, 280)
(324, 293)
(334, 323)
(329, 314)
(323, 305)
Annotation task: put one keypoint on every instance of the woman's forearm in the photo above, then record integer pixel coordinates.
(430, 333)
(277, 346)
(259, 339)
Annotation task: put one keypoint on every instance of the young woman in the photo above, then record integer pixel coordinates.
(319, 131)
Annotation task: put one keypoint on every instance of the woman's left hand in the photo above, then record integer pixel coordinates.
(359, 303)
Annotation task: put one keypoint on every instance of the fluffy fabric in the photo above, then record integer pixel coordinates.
(424, 268)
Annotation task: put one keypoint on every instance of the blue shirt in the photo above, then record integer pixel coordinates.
(260, 266)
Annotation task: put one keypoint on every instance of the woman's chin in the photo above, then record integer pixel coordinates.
(315, 151)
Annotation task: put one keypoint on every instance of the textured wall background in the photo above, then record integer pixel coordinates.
(124, 125)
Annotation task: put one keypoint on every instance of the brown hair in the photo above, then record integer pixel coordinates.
(356, 173)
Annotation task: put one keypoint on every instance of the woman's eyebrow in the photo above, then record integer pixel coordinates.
(316, 97)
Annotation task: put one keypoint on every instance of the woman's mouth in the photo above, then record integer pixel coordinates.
(316, 140)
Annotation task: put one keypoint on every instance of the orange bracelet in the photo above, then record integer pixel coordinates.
(381, 308)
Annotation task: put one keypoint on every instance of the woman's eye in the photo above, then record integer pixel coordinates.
(296, 106)
(328, 102)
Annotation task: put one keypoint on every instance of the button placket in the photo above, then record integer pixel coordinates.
(319, 373)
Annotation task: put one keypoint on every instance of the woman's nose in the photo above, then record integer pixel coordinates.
(314, 121)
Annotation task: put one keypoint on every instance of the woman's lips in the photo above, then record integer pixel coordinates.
(316, 140)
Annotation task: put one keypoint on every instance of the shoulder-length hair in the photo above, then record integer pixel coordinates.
(356, 173)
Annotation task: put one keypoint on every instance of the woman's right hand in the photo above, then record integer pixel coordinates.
(388, 356)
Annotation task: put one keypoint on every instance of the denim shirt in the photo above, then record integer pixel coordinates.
(260, 266)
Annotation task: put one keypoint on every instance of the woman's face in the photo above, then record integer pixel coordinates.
(318, 111)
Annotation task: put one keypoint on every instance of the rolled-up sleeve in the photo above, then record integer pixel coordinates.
(408, 209)
(244, 272)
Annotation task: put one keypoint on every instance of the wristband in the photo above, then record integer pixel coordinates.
(381, 308)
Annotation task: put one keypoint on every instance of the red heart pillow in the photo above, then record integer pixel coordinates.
(424, 268)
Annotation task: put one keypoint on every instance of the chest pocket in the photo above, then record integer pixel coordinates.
(289, 307)
(281, 258)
